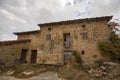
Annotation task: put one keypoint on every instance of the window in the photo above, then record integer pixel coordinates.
(84, 26)
(49, 28)
(94, 56)
(84, 35)
(67, 42)
(12, 54)
(83, 52)
(48, 37)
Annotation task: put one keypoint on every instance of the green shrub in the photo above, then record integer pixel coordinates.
(112, 47)
(78, 58)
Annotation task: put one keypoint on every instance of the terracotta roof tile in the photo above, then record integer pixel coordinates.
(77, 20)
(14, 41)
(27, 32)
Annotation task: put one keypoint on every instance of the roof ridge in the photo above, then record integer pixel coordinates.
(14, 41)
(78, 20)
(25, 32)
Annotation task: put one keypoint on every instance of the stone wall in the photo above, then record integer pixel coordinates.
(49, 43)
(11, 53)
(51, 51)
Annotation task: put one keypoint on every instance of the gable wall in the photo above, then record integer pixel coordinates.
(52, 51)
(10, 54)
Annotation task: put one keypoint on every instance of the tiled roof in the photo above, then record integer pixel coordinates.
(27, 32)
(14, 41)
(77, 20)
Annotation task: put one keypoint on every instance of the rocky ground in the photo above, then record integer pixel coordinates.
(44, 76)
(105, 71)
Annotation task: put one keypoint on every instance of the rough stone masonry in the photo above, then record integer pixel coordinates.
(55, 42)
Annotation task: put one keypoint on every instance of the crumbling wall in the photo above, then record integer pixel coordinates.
(94, 31)
(49, 42)
(11, 53)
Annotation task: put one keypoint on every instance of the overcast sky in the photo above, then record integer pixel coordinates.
(24, 15)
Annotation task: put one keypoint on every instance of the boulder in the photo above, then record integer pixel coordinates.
(27, 72)
(104, 73)
(115, 72)
(103, 67)
(10, 72)
(90, 71)
(97, 75)
(110, 63)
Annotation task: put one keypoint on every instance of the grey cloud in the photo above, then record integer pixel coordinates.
(15, 3)
(104, 7)
(22, 15)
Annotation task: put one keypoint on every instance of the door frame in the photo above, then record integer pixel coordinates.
(33, 55)
(23, 56)
(68, 54)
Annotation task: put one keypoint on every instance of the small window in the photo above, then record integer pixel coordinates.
(118, 59)
(48, 37)
(83, 52)
(94, 56)
(84, 35)
(12, 54)
(83, 26)
(49, 28)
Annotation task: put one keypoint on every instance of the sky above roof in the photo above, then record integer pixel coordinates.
(24, 15)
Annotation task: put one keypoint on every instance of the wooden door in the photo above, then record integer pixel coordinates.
(67, 57)
(33, 56)
(23, 56)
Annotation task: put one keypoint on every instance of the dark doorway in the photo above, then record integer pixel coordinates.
(67, 57)
(67, 42)
(23, 56)
(118, 59)
(33, 56)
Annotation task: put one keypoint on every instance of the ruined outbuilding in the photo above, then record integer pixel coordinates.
(55, 42)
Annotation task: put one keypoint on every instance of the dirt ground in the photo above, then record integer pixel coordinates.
(43, 76)
(66, 72)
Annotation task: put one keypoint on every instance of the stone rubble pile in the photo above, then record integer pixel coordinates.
(99, 72)
(107, 69)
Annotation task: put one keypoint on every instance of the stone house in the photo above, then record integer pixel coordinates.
(55, 42)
